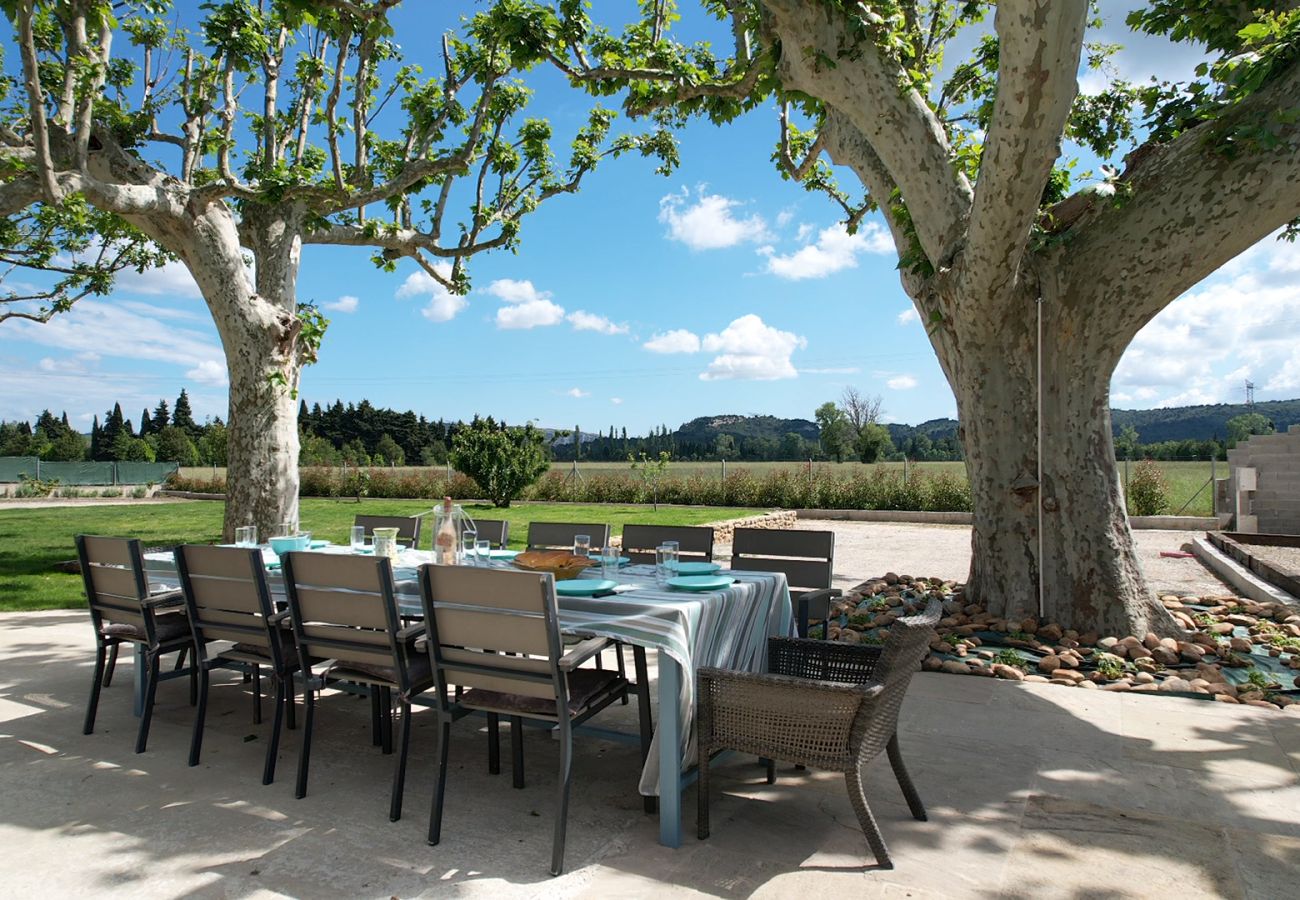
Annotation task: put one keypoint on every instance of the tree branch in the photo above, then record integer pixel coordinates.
(1040, 42)
(36, 102)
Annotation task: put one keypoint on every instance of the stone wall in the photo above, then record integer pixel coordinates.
(1276, 461)
(724, 531)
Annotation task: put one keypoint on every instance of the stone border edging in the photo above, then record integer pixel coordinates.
(1237, 575)
(923, 517)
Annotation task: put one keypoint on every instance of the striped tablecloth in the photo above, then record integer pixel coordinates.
(727, 629)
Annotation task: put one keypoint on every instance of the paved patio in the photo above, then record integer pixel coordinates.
(1033, 791)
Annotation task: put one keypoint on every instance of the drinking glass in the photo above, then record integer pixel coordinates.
(357, 538)
(246, 536)
(676, 547)
(385, 546)
(665, 563)
(582, 545)
(483, 550)
(286, 529)
(609, 563)
(468, 546)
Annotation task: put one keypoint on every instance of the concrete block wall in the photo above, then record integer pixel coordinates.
(1276, 460)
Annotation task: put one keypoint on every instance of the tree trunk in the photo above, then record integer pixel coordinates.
(1092, 580)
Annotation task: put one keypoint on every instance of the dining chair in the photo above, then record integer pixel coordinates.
(408, 529)
(344, 613)
(495, 530)
(807, 558)
(123, 611)
(227, 599)
(560, 535)
(695, 544)
(822, 704)
(497, 634)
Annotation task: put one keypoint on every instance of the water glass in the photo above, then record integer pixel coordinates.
(286, 529)
(665, 563)
(357, 538)
(468, 547)
(483, 550)
(609, 563)
(676, 547)
(246, 536)
(582, 545)
(385, 546)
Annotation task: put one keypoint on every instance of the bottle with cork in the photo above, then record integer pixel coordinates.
(444, 536)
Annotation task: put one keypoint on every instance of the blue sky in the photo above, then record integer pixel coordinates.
(641, 301)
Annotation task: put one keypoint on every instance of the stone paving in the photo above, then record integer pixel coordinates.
(1033, 791)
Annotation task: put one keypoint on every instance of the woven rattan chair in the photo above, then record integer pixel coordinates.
(227, 598)
(806, 557)
(123, 611)
(694, 544)
(559, 535)
(343, 612)
(824, 705)
(497, 531)
(408, 529)
(497, 634)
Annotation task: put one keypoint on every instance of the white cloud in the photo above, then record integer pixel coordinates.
(208, 372)
(442, 305)
(679, 340)
(805, 231)
(134, 331)
(709, 222)
(908, 315)
(526, 307)
(617, 401)
(345, 304)
(1240, 323)
(833, 370)
(751, 350)
(582, 320)
(577, 393)
(170, 280)
(834, 250)
(902, 383)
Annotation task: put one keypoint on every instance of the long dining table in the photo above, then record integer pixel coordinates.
(725, 628)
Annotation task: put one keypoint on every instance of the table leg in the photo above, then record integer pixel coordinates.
(670, 759)
(137, 680)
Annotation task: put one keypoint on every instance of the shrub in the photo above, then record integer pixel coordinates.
(504, 461)
(36, 487)
(1148, 491)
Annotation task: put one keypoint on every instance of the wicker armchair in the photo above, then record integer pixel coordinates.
(823, 704)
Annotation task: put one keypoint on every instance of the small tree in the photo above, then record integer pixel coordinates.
(834, 430)
(725, 447)
(1243, 426)
(874, 442)
(1148, 491)
(651, 470)
(502, 460)
(389, 450)
(174, 445)
(213, 449)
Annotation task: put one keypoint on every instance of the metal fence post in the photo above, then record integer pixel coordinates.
(38, 468)
(1214, 484)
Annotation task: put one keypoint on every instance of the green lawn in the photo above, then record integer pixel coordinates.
(33, 541)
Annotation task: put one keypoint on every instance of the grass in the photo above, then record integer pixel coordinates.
(34, 541)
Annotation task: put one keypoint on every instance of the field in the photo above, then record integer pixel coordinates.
(33, 541)
(1184, 478)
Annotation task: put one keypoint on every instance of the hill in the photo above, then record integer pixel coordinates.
(705, 430)
(1177, 423)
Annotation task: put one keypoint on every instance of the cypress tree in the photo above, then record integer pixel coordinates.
(162, 415)
(145, 424)
(182, 416)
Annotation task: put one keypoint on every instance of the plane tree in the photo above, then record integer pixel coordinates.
(973, 173)
(131, 135)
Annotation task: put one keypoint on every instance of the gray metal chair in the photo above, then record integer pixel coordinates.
(343, 612)
(694, 544)
(408, 529)
(227, 599)
(824, 705)
(123, 611)
(495, 530)
(497, 634)
(806, 557)
(559, 535)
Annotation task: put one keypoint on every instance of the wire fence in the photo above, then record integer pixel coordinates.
(16, 469)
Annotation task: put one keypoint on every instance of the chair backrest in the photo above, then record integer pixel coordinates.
(908, 643)
(694, 544)
(559, 535)
(227, 597)
(343, 608)
(408, 529)
(495, 530)
(493, 629)
(112, 570)
(806, 557)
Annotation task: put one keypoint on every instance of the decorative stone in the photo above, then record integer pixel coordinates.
(1151, 641)
(1165, 656)
(1050, 632)
(1224, 698)
(1049, 663)
(1240, 619)
(1190, 652)
(1118, 686)
(1221, 628)
(1087, 684)
(1175, 684)
(1144, 678)
(1010, 673)
(954, 667)
(931, 663)
(1107, 643)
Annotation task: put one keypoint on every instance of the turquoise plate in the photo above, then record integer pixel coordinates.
(503, 554)
(617, 560)
(700, 582)
(584, 587)
(697, 568)
(316, 545)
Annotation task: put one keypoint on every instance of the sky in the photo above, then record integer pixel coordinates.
(644, 301)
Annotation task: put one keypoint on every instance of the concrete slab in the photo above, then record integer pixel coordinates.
(1032, 790)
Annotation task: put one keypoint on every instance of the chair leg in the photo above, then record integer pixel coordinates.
(494, 744)
(101, 677)
(180, 659)
(562, 802)
(517, 750)
(702, 794)
(858, 797)
(440, 788)
(151, 687)
(376, 730)
(291, 701)
(200, 714)
(650, 804)
(386, 720)
(257, 694)
(304, 757)
(273, 748)
(801, 619)
(194, 680)
(399, 775)
(904, 780)
(622, 670)
(112, 664)
(771, 770)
